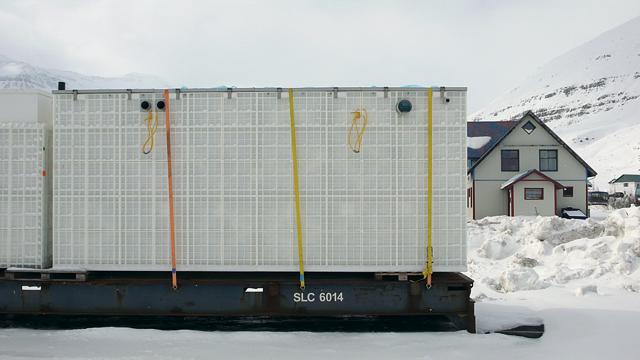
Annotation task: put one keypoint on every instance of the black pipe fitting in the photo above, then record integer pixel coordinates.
(404, 106)
(145, 105)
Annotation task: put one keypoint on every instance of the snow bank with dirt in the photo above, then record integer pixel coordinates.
(512, 254)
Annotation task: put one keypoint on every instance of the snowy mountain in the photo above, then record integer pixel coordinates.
(591, 97)
(18, 74)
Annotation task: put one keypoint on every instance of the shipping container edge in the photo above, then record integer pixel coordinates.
(262, 89)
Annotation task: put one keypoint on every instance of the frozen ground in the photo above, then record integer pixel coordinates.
(580, 277)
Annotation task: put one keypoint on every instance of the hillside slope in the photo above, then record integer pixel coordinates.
(591, 97)
(21, 75)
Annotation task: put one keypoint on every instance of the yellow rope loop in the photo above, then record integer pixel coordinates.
(359, 123)
(152, 127)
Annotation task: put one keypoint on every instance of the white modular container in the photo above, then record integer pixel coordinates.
(25, 182)
(26, 106)
(232, 171)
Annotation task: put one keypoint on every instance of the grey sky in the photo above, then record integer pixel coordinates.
(488, 46)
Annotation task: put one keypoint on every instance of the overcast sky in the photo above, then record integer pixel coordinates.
(488, 46)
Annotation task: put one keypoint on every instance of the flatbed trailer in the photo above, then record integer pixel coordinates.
(330, 301)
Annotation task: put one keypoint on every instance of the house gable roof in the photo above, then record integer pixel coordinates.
(590, 171)
(493, 130)
(626, 178)
(523, 175)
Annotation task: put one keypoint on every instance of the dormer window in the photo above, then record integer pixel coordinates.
(528, 127)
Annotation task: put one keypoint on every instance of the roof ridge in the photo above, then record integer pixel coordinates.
(628, 176)
(590, 171)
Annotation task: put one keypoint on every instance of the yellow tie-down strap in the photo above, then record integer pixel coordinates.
(296, 187)
(428, 268)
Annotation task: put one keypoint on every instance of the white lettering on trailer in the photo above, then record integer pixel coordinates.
(321, 297)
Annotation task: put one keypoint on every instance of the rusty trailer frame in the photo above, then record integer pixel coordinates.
(211, 298)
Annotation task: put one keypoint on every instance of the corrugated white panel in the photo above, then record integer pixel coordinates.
(233, 182)
(24, 199)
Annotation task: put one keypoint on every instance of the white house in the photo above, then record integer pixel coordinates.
(522, 168)
(627, 183)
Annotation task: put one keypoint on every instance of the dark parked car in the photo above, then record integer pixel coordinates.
(598, 198)
(572, 213)
(617, 195)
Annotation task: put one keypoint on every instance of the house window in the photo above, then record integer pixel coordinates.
(567, 192)
(626, 185)
(510, 160)
(533, 193)
(528, 127)
(548, 160)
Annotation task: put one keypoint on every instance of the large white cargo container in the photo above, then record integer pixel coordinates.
(232, 171)
(25, 195)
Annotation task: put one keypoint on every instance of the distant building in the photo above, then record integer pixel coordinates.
(628, 184)
(522, 168)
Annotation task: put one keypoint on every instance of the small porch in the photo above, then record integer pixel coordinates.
(531, 193)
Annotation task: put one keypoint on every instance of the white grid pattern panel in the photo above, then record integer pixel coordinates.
(234, 205)
(24, 240)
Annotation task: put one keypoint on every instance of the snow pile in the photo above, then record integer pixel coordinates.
(478, 141)
(586, 290)
(511, 254)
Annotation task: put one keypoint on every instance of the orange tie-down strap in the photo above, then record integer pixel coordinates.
(172, 229)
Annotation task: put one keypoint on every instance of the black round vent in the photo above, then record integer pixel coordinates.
(404, 106)
(145, 105)
(160, 105)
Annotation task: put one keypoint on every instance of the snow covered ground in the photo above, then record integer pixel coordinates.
(580, 278)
